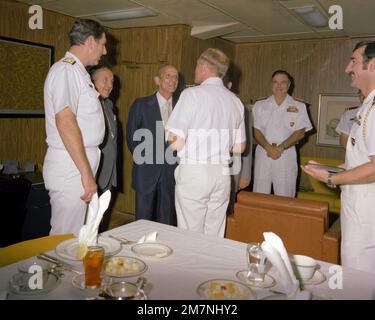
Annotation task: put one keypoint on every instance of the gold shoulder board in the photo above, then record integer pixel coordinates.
(69, 60)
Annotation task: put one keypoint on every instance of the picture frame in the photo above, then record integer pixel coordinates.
(24, 66)
(331, 108)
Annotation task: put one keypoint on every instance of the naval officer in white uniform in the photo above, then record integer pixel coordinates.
(279, 123)
(75, 127)
(358, 180)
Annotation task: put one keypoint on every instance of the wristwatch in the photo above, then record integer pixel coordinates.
(281, 146)
(329, 181)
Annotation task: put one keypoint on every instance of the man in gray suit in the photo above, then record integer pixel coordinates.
(107, 173)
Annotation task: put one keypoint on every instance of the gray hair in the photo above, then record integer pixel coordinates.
(217, 60)
(84, 28)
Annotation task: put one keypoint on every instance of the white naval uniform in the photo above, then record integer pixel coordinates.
(358, 200)
(347, 120)
(277, 123)
(69, 84)
(211, 120)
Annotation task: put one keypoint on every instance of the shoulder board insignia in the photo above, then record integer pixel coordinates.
(300, 100)
(352, 108)
(260, 99)
(292, 109)
(69, 60)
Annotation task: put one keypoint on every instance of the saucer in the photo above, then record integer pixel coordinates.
(267, 283)
(16, 286)
(317, 278)
(152, 250)
(78, 281)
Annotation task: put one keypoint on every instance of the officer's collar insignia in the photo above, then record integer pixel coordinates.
(69, 60)
(291, 124)
(357, 120)
(292, 109)
(353, 141)
(373, 102)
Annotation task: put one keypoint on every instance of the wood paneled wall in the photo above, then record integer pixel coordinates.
(24, 138)
(316, 65)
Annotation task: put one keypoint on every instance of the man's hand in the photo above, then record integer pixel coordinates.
(243, 183)
(90, 187)
(318, 174)
(274, 152)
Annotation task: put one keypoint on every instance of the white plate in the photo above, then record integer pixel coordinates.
(124, 267)
(68, 249)
(317, 278)
(222, 289)
(267, 283)
(152, 250)
(16, 285)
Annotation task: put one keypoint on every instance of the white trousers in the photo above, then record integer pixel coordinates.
(358, 227)
(281, 173)
(202, 196)
(63, 182)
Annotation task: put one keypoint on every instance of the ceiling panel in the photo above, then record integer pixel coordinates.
(255, 20)
(88, 7)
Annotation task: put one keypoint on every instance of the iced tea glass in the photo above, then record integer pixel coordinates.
(256, 261)
(93, 262)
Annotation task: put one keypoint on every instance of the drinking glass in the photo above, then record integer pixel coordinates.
(93, 262)
(256, 261)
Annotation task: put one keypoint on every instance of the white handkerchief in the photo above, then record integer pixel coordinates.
(149, 237)
(89, 232)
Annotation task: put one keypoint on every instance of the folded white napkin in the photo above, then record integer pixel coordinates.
(149, 237)
(275, 251)
(89, 232)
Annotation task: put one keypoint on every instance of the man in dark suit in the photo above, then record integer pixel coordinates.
(153, 163)
(102, 77)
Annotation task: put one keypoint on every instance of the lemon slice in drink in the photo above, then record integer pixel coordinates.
(82, 250)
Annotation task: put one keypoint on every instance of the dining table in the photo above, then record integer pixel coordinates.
(193, 259)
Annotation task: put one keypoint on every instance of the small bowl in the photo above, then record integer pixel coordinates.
(31, 269)
(304, 266)
(124, 290)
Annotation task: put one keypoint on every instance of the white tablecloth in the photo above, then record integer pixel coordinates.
(197, 258)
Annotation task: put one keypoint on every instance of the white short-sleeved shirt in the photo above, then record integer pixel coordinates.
(211, 120)
(278, 122)
(69, 84)
(361, 143)
(347, 120)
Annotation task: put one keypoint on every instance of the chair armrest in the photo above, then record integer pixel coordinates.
(231, 232)
(331, 243)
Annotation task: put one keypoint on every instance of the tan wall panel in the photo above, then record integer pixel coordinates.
(24, 139)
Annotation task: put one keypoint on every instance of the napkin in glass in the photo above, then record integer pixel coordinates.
(89, 232)
(275, 251)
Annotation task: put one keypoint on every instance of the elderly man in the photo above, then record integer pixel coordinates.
(153, 177)
(75, 128)
(107, 173)
(279, 123)
(206, 125)
(358, 180)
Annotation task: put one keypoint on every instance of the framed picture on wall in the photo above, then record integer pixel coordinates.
(331, 108)
(23, 68)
